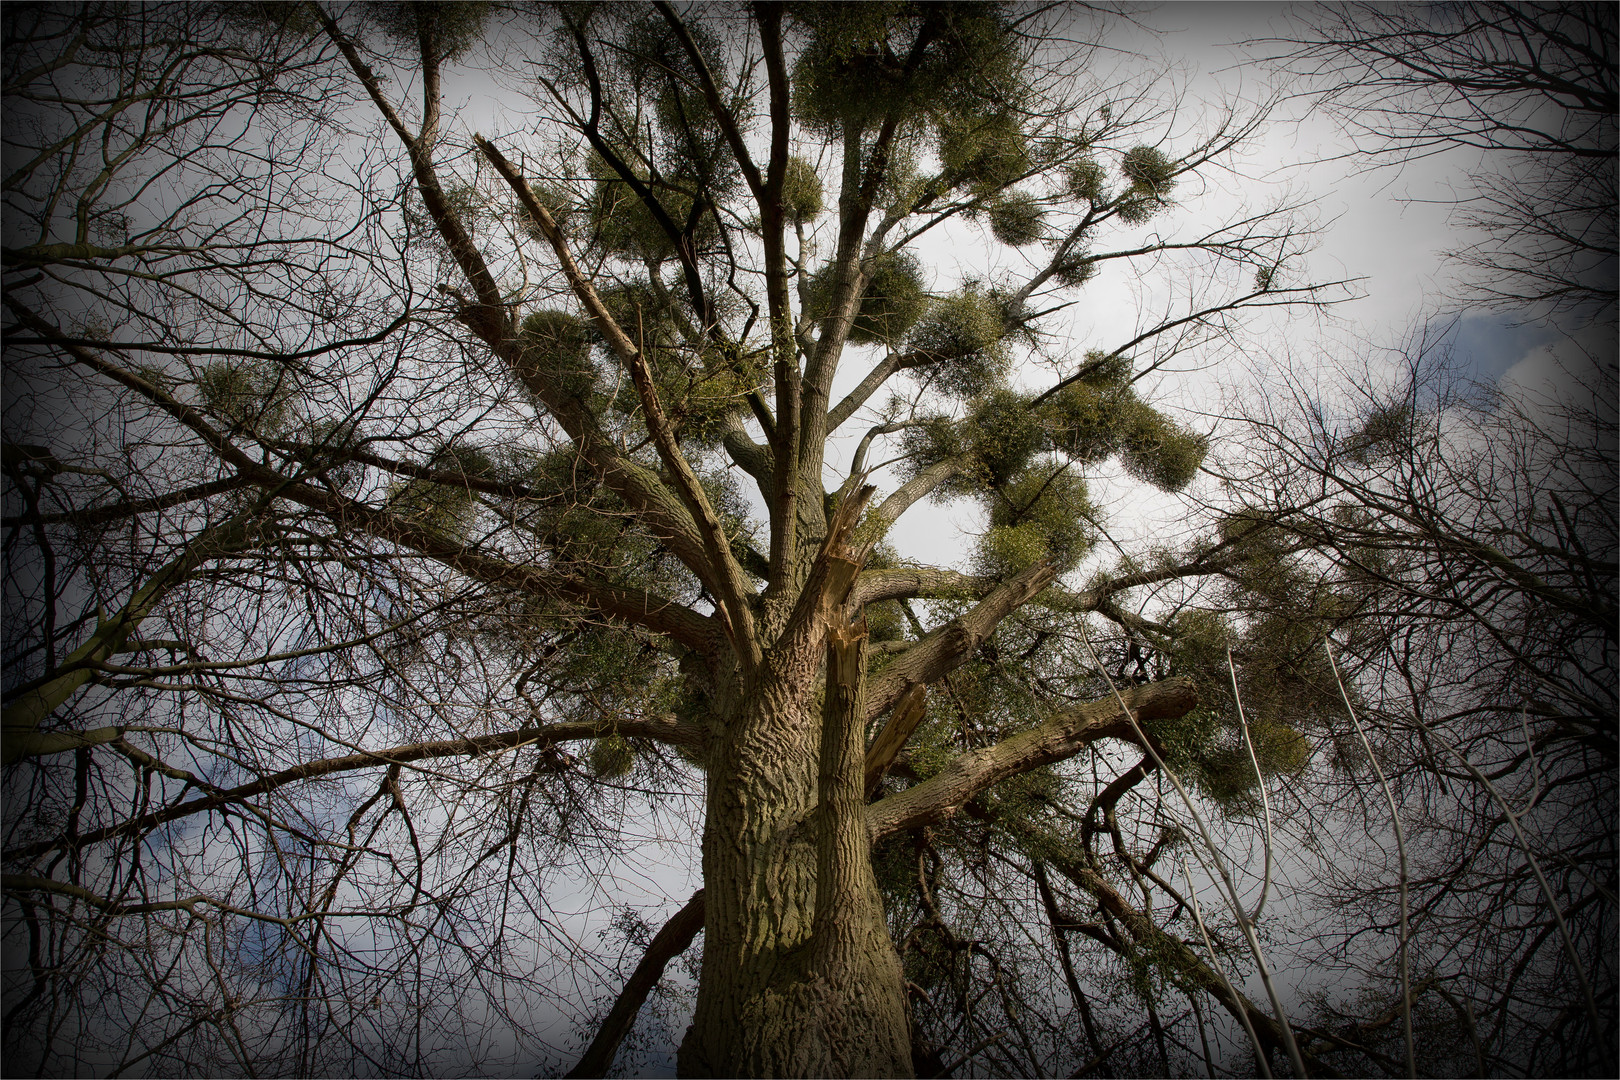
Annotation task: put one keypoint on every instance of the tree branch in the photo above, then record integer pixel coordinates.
(674, 938)
(949, 646)
(1061, 737)
(665, 729)
(718, 570)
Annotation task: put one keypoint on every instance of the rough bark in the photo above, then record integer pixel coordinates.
(856, 974)
(799, 975)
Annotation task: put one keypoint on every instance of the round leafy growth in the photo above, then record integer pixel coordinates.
(1087, 420)
(448, 28)
(557, 352)
(1015, 219)
(641, 311)
(962, 336)
(700, 398)
(1152, 175)
(850, 69)
(1226, 774)
(583, 524)
(621, 221)
(444, 506)
(1135, 209)
(1160, 451)
(1385, 430)
(984, 152)
(612, 758)
(1005, 433)
(1186, 739)
(884, 621)
(1075, 270)
(1105, 369)
(931, 440)
(1040, 514)
(1007, 549)
(893, 301)
(250, 394)
(868, 62)
(1149, 171)
(1088, 180)
(801, 191)
(691, 146)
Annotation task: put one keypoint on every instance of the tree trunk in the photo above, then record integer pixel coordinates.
(799, 975)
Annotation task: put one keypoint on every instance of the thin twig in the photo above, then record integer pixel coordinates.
(1541, 879)
(1265, 799)
(1215, 966)
(1400, 848)
(1231, 894)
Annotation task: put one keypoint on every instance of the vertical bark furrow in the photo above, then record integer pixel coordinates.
(843, 863)
(852, 958)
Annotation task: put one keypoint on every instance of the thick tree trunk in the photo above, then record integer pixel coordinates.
(799, 975)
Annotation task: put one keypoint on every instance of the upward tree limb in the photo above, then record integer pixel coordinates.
(674, 938)
(831, 580)
(784, 433)
(590, 127)
(1061, 737)
(489, 318)
(863, 175)
(419, 147)
(843, 853)
(950, 646)
(903, 498)
(720, 570)
(20, 726)
(871, 384)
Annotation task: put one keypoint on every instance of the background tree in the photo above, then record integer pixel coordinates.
(1462, 558)
(400, 519)
(1530, 88)
(1465, 535)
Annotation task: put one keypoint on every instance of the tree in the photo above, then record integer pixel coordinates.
(1461, 556)
(1531, 88)
(360, 465)
(1467, 536)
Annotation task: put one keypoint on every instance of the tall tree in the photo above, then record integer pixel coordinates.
(363, 456)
